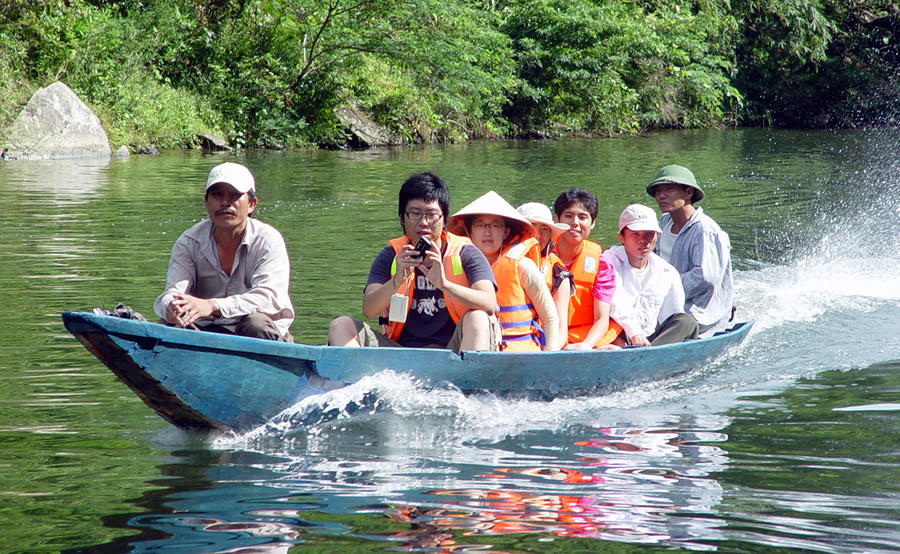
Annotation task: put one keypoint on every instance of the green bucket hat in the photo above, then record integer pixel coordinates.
(678, 175)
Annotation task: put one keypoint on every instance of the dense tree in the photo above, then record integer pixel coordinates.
(270, 73)
(819, 63)
(588, 65)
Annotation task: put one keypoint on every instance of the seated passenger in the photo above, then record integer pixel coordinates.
(588, 314)
(698, 248)
(444, 298)
(528, 317)
(649, 300)
(558, 278)
(230, 272)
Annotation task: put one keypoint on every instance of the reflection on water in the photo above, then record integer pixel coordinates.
(699, 482)
(788, 444)
(651, 486)
(71, 182)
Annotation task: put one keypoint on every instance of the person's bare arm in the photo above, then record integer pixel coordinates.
(377, 297)
(537, 291)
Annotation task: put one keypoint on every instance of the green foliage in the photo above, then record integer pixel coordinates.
(324, 54)
(682, 68)
(15, 87)
(393, 99)
(819, 63)
(570, 78)
(143, 111)
(619, 66)
(137, 102)
(270, 73)
(108, 61)
(448, 71)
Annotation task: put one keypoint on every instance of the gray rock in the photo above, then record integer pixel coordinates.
(364, 131)
(147, 149)
(122, 152)
(213, 143)
(55, 124)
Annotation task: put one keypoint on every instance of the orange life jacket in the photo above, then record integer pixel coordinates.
(581, 305)
(453, 272)
(546, 267)
(517, 315)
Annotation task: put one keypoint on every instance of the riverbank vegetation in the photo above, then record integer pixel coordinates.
(270, 73)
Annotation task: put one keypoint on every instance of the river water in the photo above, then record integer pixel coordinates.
(792, 443)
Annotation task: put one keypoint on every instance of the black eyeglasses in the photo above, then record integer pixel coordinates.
(430, 217)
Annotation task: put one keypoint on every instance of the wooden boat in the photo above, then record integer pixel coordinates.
(200, 380)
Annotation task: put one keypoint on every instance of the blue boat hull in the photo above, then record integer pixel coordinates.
(198, 380)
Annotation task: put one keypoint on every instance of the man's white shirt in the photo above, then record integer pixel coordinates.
(644, 297)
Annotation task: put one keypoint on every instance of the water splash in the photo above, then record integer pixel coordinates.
(816, 285)
(425, 419)
(847, 262)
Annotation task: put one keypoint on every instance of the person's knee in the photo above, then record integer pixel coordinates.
(340, 325)
(686, 324)
(342, 330)
(476, 321)
(476, 332)
(258, 325)
(691, 325)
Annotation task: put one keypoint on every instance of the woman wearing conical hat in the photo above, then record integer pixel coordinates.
(528, 317)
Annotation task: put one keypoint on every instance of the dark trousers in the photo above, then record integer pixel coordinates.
(256, 325)
(676, 328)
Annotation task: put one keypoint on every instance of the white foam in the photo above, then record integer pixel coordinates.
(887, 407)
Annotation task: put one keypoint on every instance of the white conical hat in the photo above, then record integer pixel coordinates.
(491, 203)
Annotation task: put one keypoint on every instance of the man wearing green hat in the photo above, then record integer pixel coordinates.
(698, 248)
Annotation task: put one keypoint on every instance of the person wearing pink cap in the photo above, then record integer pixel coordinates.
(649, 300)
(229, 273)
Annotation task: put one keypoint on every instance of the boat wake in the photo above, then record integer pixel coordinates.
(831, 280)
(430, 417)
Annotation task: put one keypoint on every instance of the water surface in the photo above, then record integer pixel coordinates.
(790, 444)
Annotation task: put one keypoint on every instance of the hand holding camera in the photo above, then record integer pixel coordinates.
(423, 246)
(400, 302)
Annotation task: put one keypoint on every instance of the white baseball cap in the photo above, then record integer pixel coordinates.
(638, 217)
(233, 174)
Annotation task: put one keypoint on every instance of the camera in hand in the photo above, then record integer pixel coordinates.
(423, 246)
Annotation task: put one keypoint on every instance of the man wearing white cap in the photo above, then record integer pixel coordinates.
(229, 273)
(649, 300)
